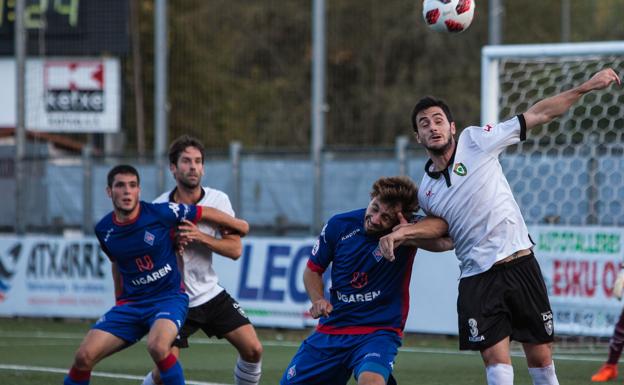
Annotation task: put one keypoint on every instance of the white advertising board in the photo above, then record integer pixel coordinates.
(65, 94)
(580, 265)
(53, 276)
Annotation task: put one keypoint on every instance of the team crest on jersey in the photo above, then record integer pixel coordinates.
(359, 280)
(292, 372)
(377, 254)
(547, 318)
(460, 169)
(149, 238)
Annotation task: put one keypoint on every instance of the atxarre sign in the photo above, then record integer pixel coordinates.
(65, 95)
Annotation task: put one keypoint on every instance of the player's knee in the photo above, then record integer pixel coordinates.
(370, 378)
(158, 349)
(84, 360)
(539, 362)
(252, 352)
(538, 356)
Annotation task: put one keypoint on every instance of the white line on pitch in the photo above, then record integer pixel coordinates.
(568, 356)
(94, 374)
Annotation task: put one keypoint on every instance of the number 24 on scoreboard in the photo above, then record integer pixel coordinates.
(63, 11)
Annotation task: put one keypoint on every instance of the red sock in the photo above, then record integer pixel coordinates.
(79, 375)
(166, 363)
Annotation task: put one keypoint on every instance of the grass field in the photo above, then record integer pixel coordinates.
(38, 352)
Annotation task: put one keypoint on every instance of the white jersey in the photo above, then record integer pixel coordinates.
(200, 279)
(475, 199)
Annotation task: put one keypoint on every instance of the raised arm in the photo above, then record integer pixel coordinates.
(221, 219)
(313, 283)
(550, 108)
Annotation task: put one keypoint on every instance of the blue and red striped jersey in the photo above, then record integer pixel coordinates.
(367, 291)
(144, 249)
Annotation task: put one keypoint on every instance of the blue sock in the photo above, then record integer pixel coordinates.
(171, 371)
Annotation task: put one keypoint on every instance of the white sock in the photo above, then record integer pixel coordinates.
(247, 373)
(148, 380)
(499, 374)
(545, 375)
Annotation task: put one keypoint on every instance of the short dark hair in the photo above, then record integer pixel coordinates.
(427, 102)
(121, 169)
(180, 144)
(396, 190)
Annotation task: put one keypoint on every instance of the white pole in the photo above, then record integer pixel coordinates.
(160, 92)
(318, 109)
(20, 124)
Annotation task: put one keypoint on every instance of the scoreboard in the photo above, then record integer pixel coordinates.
(69, 27)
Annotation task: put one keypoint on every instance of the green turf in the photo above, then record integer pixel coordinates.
(425, 360)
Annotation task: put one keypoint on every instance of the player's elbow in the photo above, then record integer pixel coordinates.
(235, 251)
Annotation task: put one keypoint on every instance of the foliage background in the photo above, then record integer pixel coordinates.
(240, 70)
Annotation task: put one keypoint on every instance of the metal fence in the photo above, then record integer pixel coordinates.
(274, 190)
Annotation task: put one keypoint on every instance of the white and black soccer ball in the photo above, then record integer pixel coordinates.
(451, 16)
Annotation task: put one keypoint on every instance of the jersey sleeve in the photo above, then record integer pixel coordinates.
(493, 139)
(223, 203)
(323, 251)
(174, 213)
(104, 248)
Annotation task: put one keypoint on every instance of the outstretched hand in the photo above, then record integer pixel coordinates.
(602, 79)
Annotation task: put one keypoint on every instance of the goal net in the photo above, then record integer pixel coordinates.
(571, 171)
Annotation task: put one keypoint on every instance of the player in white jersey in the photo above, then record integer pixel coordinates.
(211, 308)
(502, 295)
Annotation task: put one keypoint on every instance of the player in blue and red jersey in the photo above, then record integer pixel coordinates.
(138, 238)
(361, 326)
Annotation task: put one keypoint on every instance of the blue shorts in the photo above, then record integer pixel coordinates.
(331, 359)
(133, 320)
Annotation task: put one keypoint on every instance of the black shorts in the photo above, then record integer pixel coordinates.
(509, 299)
(217, 317)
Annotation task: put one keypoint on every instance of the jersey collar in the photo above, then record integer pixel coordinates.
(445, 172)
(172, 195)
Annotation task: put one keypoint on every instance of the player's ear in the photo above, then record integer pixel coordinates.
(416, 136)
(172, 167)
(453, 129)
(109, 192)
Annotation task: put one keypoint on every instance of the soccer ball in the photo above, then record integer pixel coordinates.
(448, 15)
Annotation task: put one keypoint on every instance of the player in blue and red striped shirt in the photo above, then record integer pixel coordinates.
(138, 238)
(361, 326)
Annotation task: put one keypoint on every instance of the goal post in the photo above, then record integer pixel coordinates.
(570, 171)
(493, 58)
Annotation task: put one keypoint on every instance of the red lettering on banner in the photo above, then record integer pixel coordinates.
(556, 277)
(608, 278)
(575, 278)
